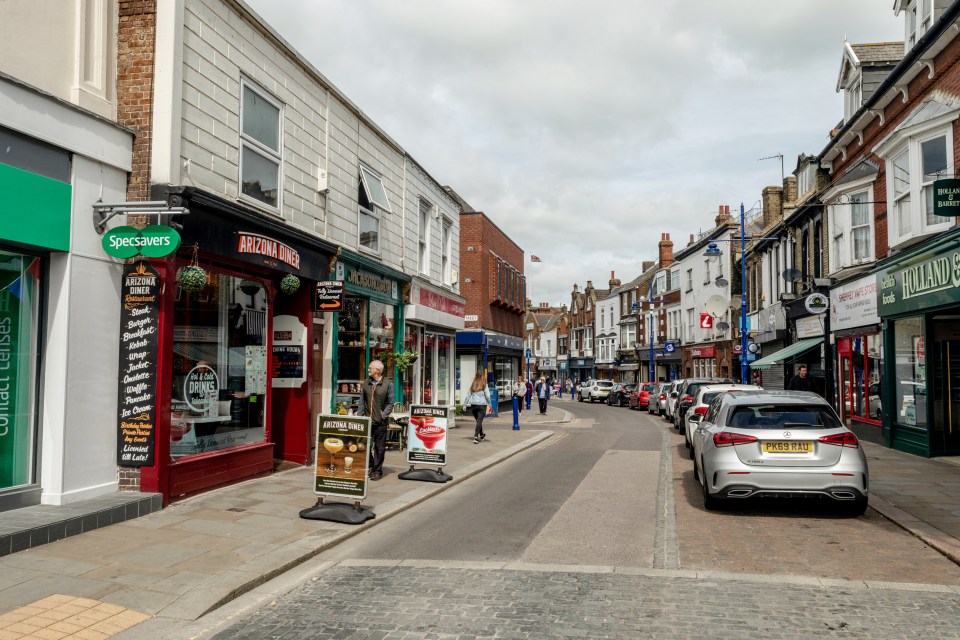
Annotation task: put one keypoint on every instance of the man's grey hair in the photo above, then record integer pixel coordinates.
(376, 364)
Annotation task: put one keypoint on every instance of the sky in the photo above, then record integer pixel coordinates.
(585, 131)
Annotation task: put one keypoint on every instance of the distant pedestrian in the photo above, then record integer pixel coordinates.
(543, 394)
(519, 392)
(800, 382)
(479, 402)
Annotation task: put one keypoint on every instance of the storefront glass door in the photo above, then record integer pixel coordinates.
(946, 392)
(19, 319)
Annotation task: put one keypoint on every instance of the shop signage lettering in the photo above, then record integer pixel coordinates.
(328, 296)
(137, 402)
(933, 281)
(154, 241)
(201, 389)
(12, 470)
(703, 352)
(370, 281)
(256, 244)
(434, 300)
(854, 304)
(946, 197)
(342, 446)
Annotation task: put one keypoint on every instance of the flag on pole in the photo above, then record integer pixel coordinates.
(534, 258)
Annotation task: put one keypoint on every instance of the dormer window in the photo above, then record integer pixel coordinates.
(919, 20)
(853, 98)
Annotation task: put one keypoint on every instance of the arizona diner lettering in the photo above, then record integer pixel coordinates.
(262, 245)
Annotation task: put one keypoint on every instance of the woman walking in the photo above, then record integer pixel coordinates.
(478, 401)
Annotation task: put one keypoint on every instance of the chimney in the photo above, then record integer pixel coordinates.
(772, 198)
(648, 264)
(544, 305)
(790, 189)
(666, 250)
(691, 240)
(614, 281)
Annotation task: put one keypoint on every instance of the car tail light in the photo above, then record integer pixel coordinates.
(700, 410)
(845, 439)
(663, 396)
(687, 399)
(727, 439)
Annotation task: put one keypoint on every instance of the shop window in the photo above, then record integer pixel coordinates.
(910, 385)
(219, 374)
(382, 334)
(412, 342)
(444, 359)
(260, 136)
(352, 340)
(19, 333)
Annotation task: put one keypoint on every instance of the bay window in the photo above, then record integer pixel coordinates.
(851, 226)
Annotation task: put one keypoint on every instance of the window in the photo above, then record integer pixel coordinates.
(661, 285)
(424, 238)
(706, 269)
(817, 253)
(851, 223)
(628, 335)
(919, 20)
(260, 135)
(689, 279)
(372, 190)
(447, 249)
(369, 228)
(673, 282)
(911, 191)
(690, 326)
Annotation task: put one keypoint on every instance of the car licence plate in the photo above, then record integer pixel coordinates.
(787, 446)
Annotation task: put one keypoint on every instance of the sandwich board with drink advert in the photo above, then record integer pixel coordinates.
(340, 468)
(427, 442)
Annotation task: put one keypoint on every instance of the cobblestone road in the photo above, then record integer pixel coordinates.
(439, 601)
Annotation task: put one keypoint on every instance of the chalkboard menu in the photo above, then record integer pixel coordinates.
(137, 401)
(287, 361)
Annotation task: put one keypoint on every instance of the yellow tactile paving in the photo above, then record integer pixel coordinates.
(64, 617)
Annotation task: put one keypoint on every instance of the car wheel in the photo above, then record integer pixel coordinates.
(710, 503)
(696, 469)
(690, 451)
(681, 429)
(857, 507)
(579, 398)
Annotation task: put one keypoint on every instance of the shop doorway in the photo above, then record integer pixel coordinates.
(945, 331)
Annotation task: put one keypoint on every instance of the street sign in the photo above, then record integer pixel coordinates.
(669, 347)
(635, 307)
(329, 296)
(529, 354)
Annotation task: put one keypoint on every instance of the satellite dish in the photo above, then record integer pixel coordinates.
(736, 302)
(792, 275)
(633, 345)
(715, 305)
(723, 326)
(721, 281)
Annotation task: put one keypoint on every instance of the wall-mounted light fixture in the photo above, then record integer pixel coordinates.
(103, 212)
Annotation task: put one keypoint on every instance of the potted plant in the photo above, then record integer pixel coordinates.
(289, 284)
(403, 359)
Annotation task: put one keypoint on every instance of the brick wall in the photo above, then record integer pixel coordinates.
(136, 33)
(479, 266)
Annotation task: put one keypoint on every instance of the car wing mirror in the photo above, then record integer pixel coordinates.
(674, 394)
(696, 417)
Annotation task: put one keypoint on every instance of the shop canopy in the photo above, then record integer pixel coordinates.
(787, 352)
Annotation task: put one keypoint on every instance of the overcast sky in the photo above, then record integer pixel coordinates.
(587, 129)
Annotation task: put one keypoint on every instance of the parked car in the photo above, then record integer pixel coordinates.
(620, 393)
(656, 396)
(640, 397)
(702, 399)
(685, 399)
(672, 392)
(595, 390)
(778, 444)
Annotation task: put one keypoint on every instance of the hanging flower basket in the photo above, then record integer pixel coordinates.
(249, 287)
(191, 278)
(289, 284)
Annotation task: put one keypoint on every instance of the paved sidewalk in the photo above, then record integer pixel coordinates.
(197, 554)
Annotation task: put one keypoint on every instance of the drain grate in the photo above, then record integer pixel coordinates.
(236, 509)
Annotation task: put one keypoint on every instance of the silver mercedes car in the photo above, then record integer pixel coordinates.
(778, 444)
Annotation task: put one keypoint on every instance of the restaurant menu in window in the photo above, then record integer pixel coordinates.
(137, 402)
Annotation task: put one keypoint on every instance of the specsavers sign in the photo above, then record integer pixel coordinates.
(926, 280)
(154, 241)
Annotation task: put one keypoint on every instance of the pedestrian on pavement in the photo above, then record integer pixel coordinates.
(529, 393)
(570, 388)
(519, 392)
(543, 394)
(800, 382)
(376, 401)
(479, 402)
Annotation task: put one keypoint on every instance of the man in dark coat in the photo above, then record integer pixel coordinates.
(800, 382)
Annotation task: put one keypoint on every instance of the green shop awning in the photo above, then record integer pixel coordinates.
(787, 352)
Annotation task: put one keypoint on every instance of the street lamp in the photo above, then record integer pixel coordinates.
(714, 250)
(651, 300)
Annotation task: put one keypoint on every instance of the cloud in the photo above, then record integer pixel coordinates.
(587, 130)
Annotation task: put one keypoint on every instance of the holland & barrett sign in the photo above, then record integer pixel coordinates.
(946, 197)
(926, 280)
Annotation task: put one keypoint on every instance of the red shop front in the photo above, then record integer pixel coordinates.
(860, 359)
(236, 354)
